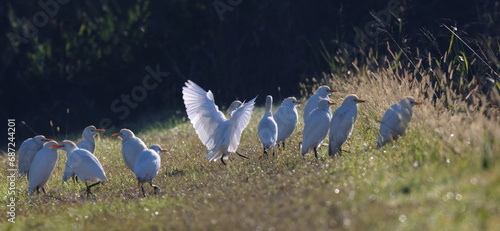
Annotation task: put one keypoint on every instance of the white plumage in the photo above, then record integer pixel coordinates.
(88, 138)
(27, 152)
(86, 166)
(131, 147)
(42, 166)
(342, 123)
(321, 93)
(396, 120)
(316, 127)
(219, 135)
(87, 143)
(234, 105)
(268, 129)
(286, 118)
(147, 166)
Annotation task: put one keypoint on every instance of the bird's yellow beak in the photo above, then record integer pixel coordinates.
(57, 146)
(116, 134)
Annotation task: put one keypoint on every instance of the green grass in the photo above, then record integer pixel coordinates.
(443, 175)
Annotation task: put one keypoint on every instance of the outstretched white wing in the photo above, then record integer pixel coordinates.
(240, 119)
(202, 112)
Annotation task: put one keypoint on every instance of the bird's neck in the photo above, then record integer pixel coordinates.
(88, 137)
(268, 109)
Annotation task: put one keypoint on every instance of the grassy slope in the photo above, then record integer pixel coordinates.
(443, 175)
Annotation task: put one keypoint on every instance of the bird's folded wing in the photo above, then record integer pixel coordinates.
(240, 119)
(27, 147)
(202, 112)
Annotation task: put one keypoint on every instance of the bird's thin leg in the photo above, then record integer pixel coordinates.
(283, 144)
(37, 190)
(264, 148)
(43, 190)
(142, 188)
(273, 152)
(75, 179)
(156, 188)
(90, 186)
(315, 153)
(239, 154)
(222, 159)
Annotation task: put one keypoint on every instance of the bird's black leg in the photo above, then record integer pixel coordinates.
(75, 178)
(37, 189)
(222, 159)
(43, 190)
(239, 154)
(156, 188)
(283, 144)
(142, 188)
(315, 153)
(89, 192)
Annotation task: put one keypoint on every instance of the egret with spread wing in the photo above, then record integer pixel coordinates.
(219, 135)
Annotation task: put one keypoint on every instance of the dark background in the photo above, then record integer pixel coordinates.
(90, 53)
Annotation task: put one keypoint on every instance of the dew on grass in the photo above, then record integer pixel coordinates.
(402, 218)
(448, 196)
(473, 181)
(458, 197)
(346, 222)
(336, 191)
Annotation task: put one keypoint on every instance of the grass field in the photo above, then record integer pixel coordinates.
(443, 175)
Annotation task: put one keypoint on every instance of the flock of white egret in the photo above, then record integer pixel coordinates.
(37, 156)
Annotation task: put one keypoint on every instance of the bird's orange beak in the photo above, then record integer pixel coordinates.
(299, 102)
(360, 100)
(418, 103)
(57, 146)
(332, 103)
(100, 130)
(333, 91)
(116, 134)
(48, 140)
(163, 150)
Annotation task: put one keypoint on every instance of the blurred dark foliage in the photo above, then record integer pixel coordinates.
(90, 53)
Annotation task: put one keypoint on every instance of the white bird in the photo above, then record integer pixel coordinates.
(88, 138)
(147, 166)
(396, 120)
(316, 127)
(234, 105)
(27, 152)
(131, 147)
(87, 143)
(42, 166)
(219, 135)
(286, 118)
(321, 93)
(268, 129)
(86, 166)
(342, 123)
